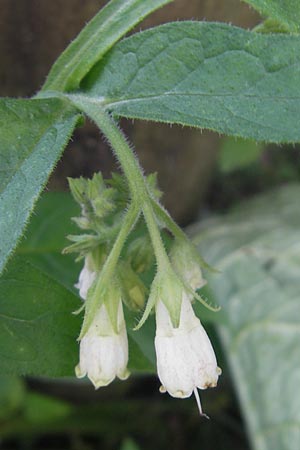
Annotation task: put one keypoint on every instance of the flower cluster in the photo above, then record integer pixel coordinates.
(185, 357)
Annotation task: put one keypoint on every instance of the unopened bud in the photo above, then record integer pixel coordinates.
(184, 260)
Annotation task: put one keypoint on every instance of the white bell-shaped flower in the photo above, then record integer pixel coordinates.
(104, 346)
(103, 351)
(185, 357)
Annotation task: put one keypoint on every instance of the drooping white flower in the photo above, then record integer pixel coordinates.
(104, 346)
(185, 357)
(86, 278)
(104, 350)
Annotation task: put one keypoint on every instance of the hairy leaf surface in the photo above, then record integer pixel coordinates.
(33, 135)
(37, 328)
(205, 75)
(99, 35)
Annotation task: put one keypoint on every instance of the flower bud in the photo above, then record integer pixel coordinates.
(185, 262)
(87, 277)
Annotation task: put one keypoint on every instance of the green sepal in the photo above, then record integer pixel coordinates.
(151, 180)
(119, 184)
(77, 187)
(108, 294)
(95, 185)
(100, 197)
(112, 299)
(171, 291)
(98, 257)
(93, 302)
(79, 310)
(96, 200)
(81, 222)
(83, 244)
(104, 204)
(195, 295)
(149, 306)
(168, 288)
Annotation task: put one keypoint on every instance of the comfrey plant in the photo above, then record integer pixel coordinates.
(207, 75)
(112, 275)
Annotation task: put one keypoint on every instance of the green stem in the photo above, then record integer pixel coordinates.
(178, 233)
(110, 264)
(119, 144)
(168, 221)
(132, 170)
(128, 223)
(163, 262)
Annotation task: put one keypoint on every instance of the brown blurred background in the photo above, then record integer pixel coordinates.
(35, 32)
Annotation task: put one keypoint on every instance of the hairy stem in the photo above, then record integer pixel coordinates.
(137, 184)
(109, 267)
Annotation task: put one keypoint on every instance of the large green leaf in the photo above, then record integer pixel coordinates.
(257, 249)
(99, 35)
(206, 75)
(37, 328)
(285, 12)
(33, 135)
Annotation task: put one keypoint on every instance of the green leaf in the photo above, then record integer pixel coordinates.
(285, 12)
(257, 249)
(237, 153)
(99, 35)
(37, 328)
(46, 237)
(33, 135)
(206, 75)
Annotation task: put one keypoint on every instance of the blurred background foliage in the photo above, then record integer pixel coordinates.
(216, 174)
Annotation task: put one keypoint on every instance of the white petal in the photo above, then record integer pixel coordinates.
(206, 371)
(164, 325)
(172, 369)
